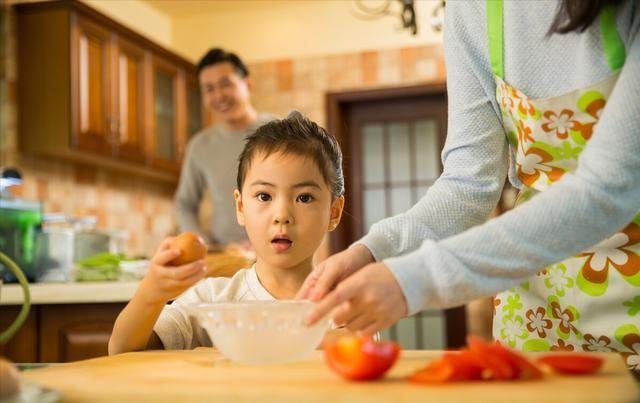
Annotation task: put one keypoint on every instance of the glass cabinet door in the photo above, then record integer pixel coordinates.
(129, 101)
(91, 87)
(164, 142)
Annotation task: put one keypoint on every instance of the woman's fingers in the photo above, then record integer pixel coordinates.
(370, 299)
(346, 290)
(309, 283)
(338, 267)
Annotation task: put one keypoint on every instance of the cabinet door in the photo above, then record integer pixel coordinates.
(165, 123)
(22, 347)
(76, 332)
(93, 121)
(129, 101)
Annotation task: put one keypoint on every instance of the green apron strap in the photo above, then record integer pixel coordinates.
(495, 30)
(611, 41)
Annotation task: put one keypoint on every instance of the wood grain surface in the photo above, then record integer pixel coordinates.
(204, 374)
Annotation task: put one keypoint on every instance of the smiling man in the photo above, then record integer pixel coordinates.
(212, 154)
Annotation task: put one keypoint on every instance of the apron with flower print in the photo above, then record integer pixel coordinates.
(591, 301)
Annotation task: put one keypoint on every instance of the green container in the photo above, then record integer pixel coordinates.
(20, 221)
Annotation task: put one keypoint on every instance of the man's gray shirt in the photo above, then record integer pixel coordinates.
(211, 162)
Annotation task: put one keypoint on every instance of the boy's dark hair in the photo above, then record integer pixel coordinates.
(298, 135)
(218, 55)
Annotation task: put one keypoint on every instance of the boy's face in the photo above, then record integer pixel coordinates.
(225, 92)
(286, 208)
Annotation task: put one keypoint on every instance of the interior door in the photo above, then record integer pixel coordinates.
(392, 140)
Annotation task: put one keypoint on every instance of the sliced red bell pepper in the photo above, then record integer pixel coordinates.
(572, 363)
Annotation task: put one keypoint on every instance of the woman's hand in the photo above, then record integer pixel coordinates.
(333, 270)
(163, 282)
(367, 301)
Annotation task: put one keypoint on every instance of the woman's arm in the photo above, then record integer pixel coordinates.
(475, 156)
(583, 208)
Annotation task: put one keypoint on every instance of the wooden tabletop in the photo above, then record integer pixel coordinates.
(205, 375)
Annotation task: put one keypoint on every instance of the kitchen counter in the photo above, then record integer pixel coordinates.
(70, 293)
(204, 374)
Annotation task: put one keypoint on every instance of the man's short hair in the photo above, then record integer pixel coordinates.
(218, 55)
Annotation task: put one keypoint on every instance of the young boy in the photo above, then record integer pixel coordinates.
(290, 194)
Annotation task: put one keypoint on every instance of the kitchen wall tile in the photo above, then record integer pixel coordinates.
(285, 75)
(427, 70)
(408, 57)
(369, 67)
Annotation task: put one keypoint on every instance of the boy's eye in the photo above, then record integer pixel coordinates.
(305, 198)
(263, 196)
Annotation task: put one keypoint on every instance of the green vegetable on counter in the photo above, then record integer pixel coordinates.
(100, 267)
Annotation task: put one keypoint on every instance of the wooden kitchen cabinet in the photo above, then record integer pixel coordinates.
(60, 332)
(92, 91)
(23, 346)
(167, 123)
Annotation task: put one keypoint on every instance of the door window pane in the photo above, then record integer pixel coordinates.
(400, 199)
(374, 207)
(427, 150)
(373, 153)
(399, 161)
(165, 117)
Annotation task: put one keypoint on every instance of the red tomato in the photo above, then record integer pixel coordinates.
(572, 363)
(361, 358)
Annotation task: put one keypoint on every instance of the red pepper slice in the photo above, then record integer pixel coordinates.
(572, 363)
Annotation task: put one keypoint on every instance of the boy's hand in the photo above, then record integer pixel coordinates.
(163, 282)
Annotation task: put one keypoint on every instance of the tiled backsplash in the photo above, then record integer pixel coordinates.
(145, 208)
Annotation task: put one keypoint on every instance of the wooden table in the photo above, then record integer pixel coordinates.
(204, 375)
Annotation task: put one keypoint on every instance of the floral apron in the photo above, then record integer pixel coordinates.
(591, 301)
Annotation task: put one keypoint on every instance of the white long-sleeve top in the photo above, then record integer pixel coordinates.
(442, 251)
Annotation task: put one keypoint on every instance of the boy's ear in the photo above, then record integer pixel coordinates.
(336, 213)
(239, 207)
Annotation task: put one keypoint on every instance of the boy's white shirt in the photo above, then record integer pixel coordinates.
(177, 330)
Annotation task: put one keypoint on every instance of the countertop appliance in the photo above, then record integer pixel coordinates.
(20, 221)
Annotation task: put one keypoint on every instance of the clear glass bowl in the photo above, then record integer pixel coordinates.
(261, 332)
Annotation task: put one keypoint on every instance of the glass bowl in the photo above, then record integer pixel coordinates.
(261, 332)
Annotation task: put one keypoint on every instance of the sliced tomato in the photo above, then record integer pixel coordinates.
(438, 371)
(572, 363)
(523, 368)
(497, 367)
(461, 366)
(361, 357)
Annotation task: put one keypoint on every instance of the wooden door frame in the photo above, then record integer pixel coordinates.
(337, 107)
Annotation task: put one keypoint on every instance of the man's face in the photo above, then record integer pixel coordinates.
(286, 208)
(225, 92)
